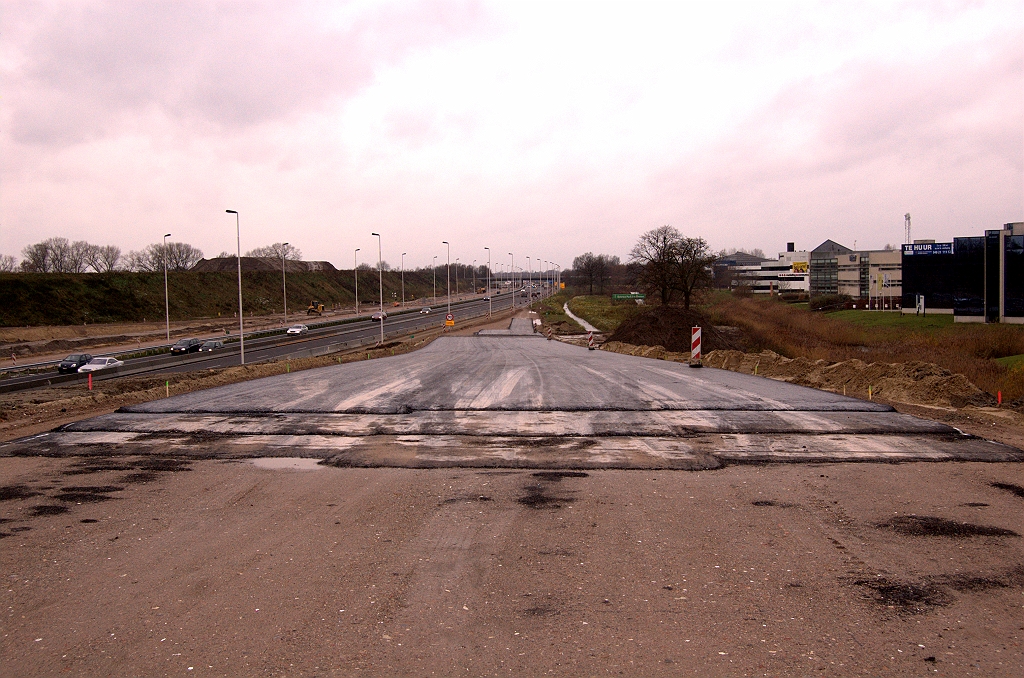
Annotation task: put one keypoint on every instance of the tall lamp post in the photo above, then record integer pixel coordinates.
(456, 277)
(167, 303)
(355, 273)
(474, 276)
(380, 281)
(238, 258)
(433, 267)
(403, 279)
(284, 282)
(512, 270)
(488, 281)
(449, 275)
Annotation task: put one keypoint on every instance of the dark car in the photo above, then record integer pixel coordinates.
(186, 346)
(71, 364)
(211, 345)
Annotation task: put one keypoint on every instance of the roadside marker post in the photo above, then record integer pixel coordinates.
(695, 348)
(90, 381)
(590, 341)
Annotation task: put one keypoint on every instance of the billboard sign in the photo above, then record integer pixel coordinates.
(925, 248)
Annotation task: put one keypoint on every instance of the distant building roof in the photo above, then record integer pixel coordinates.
(831, 247)
(740, 259)
(227, 264)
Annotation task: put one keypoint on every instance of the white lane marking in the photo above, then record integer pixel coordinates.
(364, 397)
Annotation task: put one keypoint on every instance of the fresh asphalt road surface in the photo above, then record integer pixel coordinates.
(521, 401)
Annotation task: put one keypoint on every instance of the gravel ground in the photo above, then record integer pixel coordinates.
(155, 566)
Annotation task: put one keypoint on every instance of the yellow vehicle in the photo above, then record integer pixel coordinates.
(315, 307)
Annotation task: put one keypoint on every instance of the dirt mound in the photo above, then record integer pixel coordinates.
(669, 327)
(916, 382)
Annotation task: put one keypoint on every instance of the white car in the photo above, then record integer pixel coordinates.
(424, 310)
(100, 364)
(297, 329)
(380, 315)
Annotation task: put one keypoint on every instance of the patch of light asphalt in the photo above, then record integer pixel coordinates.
(587, 326)
(287, 463)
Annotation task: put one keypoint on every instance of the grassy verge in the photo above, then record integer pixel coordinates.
(969, 349)
(896, 320)
(553, 315)
(602, 312)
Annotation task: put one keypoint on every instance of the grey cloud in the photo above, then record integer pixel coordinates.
(86, 67)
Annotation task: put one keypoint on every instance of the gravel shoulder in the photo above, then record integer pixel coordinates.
(158, 566)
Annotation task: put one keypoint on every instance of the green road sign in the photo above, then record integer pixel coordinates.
(631, 295)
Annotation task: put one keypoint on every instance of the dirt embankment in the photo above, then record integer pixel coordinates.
(669, 327)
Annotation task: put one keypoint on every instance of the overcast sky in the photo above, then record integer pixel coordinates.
(543, 129)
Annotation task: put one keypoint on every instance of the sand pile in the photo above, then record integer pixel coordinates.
(917, 383)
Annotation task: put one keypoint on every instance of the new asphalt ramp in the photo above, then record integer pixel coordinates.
(513, 401)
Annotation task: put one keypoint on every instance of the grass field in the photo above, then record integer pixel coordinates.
(890, 319)
(602, 312)
(553, 315)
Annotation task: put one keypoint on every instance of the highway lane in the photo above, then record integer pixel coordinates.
(366, 329)
(279, 345)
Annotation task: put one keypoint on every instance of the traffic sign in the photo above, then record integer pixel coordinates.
(449, 320)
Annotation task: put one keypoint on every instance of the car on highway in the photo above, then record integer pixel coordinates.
(97, 364)
(184, 346)
(424, 310)
(486, 298)
(211, 345)
(380, 315)
(71, 364)
(297, 329)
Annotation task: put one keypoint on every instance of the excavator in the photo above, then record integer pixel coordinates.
(315, 307)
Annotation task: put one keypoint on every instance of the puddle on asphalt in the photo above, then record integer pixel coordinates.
(289, 463)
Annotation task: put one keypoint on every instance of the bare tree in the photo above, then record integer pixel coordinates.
(8, 264)
(77, 258)
(654, 260)
(104, 258)
(276, 251)
(180, 257)
(584, 267)
(693, 267)
(36, 258)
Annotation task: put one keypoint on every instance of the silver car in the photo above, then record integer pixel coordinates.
(97, 364)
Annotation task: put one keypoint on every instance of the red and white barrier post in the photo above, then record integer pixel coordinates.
(695, 348)
(590, 341)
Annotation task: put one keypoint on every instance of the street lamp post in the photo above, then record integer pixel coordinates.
(474, 276)
(380, 281)
(489, 295)
(403, 279)
(355, 273)
(433, 268)
(284, 282)
(512, 270)
(456, 277)
(238, 258)
(449, 275)
(167, 303)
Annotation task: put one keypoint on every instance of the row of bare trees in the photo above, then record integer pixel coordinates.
(59, 255)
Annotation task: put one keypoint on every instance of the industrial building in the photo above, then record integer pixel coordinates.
(976, 278)
(788, 273)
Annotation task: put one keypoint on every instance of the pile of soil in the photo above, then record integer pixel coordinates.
(915, 382)
(669, 326)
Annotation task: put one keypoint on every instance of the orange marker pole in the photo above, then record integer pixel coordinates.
(90, 381)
